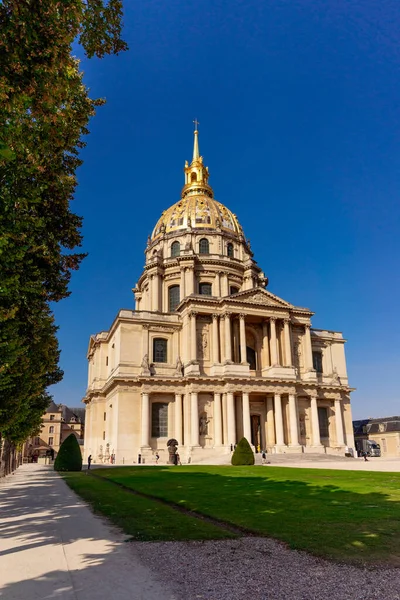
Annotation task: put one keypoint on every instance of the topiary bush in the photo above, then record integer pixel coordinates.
(243, 454)
(69, 457)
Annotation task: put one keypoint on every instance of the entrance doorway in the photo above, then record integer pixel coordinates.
(256, 431)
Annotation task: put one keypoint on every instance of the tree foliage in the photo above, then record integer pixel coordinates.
(44, 113)
(243, 454)
(69, 457)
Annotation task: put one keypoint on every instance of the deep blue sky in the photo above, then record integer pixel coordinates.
(298, 103)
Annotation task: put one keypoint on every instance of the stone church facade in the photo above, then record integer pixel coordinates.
(209, 355)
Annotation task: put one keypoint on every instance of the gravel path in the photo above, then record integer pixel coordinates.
(261, 569)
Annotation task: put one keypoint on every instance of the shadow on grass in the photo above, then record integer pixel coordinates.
(358, 525)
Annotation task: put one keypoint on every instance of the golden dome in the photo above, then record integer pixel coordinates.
(197, 208)
(197, 212)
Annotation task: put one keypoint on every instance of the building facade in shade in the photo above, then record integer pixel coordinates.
(209, 355)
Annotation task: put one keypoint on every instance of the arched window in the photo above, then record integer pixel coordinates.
(233, 290)
(175, 249)
(204, 246)
(193, 177)
(251, 358)
(229, 250)
(160, 350)
(173, 297)
(159, 419)
(205, 289)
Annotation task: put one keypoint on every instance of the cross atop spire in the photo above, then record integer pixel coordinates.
(196, 122)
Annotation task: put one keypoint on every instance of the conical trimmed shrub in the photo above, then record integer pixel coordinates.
(243, 454)
(69, 457)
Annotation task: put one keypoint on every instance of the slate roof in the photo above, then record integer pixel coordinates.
(367, 426)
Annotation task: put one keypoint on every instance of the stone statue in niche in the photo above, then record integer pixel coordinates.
(203, 425)
(145, 365)
(179, 367)
(172, 446)
(335, 376)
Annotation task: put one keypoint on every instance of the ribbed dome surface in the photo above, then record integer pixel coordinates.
(197, 212)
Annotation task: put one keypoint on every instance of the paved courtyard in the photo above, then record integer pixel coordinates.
(53, 548)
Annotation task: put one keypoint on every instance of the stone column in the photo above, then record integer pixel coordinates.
(186, 420)
(145, 419)
(339, 423)
(265, 359)
(145, 340)
(316, 439)
(193, 337)
(224, 285)
(194, 420)
(242, 331)
(308, 360)
(274, 354)
(182, 293)
(217, 420)
(150, 302)
(288, 348)
(222, 338)
(224, 419)
(178, 418)
(278, 420)
(215, 339)
(230, 409)
(218, 284)
(270, 421)
(246, 416)
(294, 432)
(156, 292)
(228, 341)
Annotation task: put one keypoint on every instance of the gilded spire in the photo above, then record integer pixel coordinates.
(196, 153)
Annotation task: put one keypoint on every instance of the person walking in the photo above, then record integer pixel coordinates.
(263, 457)
(89, 461)
(157, 458)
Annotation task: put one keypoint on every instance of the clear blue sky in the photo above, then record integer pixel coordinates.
(298, 103)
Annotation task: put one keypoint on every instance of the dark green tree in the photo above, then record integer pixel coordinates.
(69, 457)
(45, 109)
(243, 454)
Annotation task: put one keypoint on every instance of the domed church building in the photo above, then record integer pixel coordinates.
(209, 355)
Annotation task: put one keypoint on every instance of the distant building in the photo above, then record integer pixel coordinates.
(384, 431)
(59, 422)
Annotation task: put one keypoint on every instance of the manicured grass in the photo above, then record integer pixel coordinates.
(140, 518)
(345, 515)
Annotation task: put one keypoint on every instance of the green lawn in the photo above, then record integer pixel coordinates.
(140, 518)
(345, 515)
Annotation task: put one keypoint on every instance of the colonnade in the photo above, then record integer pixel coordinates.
(275, 350)
(186, 420)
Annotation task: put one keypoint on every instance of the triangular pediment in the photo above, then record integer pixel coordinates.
(260, 297)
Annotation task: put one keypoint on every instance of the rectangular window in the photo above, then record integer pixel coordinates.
(51, 429)
(51, 440)
(159, 419)
(104, 435)
(52, 417)
(106, 361)
(173, 297)
(317, 361)
(160, 350)
(323, 422)
(104, 416)
(205, 289)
